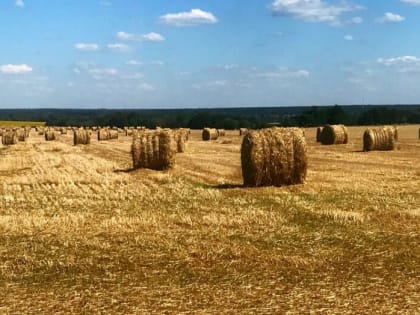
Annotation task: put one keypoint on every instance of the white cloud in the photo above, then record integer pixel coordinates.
(15, 69)
(403, 64)
(149, 37)
(193, 17)
(356, 20)
(348, 37)
(105, 3)
(87, 46)
(312, 10)
(103, 71)
(118, 47)
(283, 73)
(147, 87)
(390, 18)
(158, 63)
(411, 2)
(20, 3)
(133, 63)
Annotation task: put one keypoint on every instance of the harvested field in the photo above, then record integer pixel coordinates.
(81, 232)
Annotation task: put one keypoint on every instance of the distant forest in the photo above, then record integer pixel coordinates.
(227, 118)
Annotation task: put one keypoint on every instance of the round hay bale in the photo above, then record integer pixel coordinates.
(49, 135)
(334, 134)
(180, 137)
(394, 131)
(9, 138)
(243, 131)
(21, 134)
(209, 134)
(112, 134)
(81, 136)
(318, 134)
(274, 157)
(221, 132)
(380, 139)
(154, 150)
(103, 134)
(63, 130)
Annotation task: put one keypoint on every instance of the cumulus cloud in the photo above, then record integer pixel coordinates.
(146, 87)
(348, 37)
(15, 69)
(118, 47)
(193, 17)
(20, 3)
(389, 17)
(312, 10)
(133, 63)
(411, 2)
(403, 64)
(87, 46)
(149, 37)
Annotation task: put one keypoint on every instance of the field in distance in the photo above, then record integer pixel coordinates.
(81, 232)
(16, 123)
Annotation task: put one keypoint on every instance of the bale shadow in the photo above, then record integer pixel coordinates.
(228, 186)
(124, 170)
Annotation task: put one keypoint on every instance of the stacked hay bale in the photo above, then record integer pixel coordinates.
(318, 134)
(274, 157)
(243, 131)
(9, 138)
(209, 134)
(381, 139)
(154, 150)
(81, 136)
(221, 132)
(49, 135)
(334, 134)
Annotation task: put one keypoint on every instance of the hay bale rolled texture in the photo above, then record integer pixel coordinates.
(209, 134)
(274, 157)
(394, 131)
(181, 138)
(81, 136)
(9, 138)
(154, 150)
(334, 134)
(380, 139)
(318, 134)
(49, 135)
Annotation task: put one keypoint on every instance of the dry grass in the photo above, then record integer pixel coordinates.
(79, 234)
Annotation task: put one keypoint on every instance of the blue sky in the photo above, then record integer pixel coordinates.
(165, 54)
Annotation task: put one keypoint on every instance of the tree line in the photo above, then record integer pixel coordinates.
(226, 118)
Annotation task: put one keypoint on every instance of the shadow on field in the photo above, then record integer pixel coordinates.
(124, 170)
(228, 186)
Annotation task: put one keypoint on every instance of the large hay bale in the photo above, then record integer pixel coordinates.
(334, 134)
(221, 132)
(63, 130)
(49, 135)
(394, 131)
(318, 134)
(274, 157)
(381, 139)
(209, 134)
(243, 131)
(9, 138)
(81, 136)
(180, 137)
(154, 150)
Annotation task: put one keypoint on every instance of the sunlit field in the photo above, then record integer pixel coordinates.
(81, 232)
